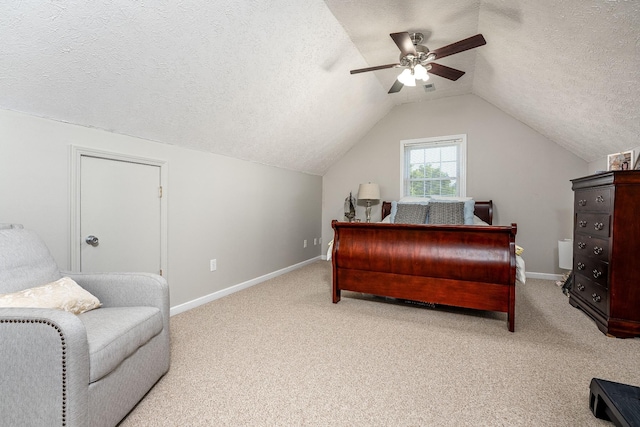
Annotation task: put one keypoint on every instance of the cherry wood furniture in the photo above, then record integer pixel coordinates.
(471, 266)
(605, 258)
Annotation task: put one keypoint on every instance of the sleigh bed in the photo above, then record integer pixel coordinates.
(470, 266)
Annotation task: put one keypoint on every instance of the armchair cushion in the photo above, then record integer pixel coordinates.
(63, 294)
(115, 333)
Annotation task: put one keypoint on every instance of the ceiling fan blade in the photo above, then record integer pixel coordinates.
(396, 87)
(404, 43)
(461, 46)
(379, 67)
(446, 72)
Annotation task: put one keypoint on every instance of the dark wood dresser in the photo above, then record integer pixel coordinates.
(606, 257)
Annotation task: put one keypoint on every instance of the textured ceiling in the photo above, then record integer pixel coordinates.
(569, 69)
(258, 80)
(268, 81)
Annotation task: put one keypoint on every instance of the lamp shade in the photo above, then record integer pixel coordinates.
(369, 192)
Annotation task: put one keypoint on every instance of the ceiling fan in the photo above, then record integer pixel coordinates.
(418, 59)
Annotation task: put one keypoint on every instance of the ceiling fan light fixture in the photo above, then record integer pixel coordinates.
(420, 73)
(407, 78)
(417, 59)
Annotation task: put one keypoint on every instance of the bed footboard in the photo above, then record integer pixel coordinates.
(457, 265)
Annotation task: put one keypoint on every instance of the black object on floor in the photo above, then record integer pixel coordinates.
(619, 403)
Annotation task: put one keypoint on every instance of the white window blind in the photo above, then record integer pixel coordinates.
(434, 166)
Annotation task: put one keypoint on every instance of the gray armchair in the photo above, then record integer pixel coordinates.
(91, 369)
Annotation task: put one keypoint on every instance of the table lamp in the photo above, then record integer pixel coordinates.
(369, 192)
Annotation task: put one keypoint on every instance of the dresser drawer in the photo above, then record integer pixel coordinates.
(590, 246)
(595, 199)
(592, 293)
(593, 269)
(592, 224)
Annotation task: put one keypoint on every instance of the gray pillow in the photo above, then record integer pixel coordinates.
(411, 214)
(446, 212)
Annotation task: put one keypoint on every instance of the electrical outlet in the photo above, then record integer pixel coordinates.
(304, 243)
(315, 241)
(213, 265)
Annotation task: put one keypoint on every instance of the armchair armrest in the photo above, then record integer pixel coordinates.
(127, 289)
(45, 367)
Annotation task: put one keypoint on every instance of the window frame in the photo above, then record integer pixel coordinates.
(448, 140)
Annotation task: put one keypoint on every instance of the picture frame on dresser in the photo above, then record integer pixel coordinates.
(621, 161)
(637, 164)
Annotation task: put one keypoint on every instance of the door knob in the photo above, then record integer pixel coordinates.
(92, 240)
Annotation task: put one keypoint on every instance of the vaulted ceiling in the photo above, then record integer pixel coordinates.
(268, 81)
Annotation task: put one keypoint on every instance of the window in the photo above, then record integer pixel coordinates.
(434, 166)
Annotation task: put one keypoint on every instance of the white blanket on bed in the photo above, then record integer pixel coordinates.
(520, 275)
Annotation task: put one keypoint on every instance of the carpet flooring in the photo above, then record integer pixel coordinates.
(282, 354)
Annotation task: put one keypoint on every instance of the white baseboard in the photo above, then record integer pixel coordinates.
(235, 288)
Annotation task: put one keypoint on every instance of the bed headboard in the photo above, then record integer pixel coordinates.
(483, 210)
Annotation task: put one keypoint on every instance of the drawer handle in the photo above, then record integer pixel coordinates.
(596, 297)
(580, 287)
(582, 202)
(596, 273)
(581, 266)
(582, 245)
(597, 250)
(583, 224)
(598, 225)
(599, 199)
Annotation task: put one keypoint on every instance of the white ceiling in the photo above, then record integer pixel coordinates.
(268, 81)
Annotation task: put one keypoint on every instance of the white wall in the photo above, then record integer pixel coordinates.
(525, 174)
(250, 217)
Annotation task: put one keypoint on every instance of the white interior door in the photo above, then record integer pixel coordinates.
(120, 205)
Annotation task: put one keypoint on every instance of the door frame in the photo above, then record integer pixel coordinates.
(76, 152)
